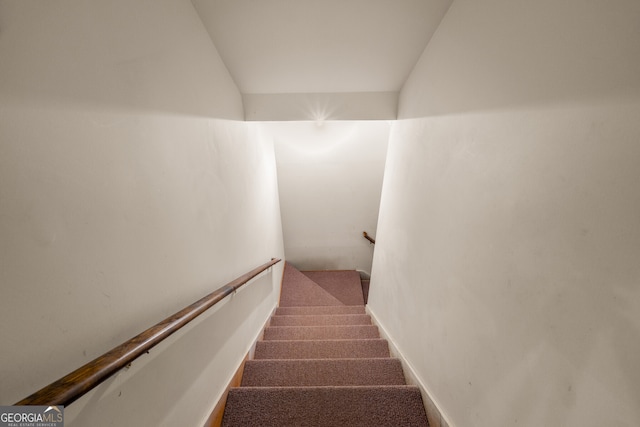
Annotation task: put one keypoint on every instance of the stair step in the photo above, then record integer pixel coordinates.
(380, 406)
(345, 285)
(322, 372)
(299, 290)
(321, 319)
(289, 333)
(326, 309)
(322, 349)
(322, 363)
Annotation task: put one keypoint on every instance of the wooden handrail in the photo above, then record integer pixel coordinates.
(69, 388)
(369, 238)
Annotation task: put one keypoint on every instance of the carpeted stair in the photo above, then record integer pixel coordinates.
(298, 333)
(322, 363)
(320, 320)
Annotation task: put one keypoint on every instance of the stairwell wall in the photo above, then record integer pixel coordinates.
(330, 180)
(506, 266)
(129, 188)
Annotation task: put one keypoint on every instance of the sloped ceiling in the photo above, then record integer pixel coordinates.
(303, 47)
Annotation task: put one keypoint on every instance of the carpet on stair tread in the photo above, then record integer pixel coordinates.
(323, 309)
(322, 372)
(345, 285)
(289, 333)
(299, 290)
(322, 363)
(322, 349)
(320, 319)
(380, 406)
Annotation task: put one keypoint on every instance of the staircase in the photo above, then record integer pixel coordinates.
(322, 363)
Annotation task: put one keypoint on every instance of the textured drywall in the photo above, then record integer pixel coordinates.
(126, 193)
(506, 267)
(329, 180)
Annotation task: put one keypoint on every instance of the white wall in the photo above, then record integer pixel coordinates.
(330, 180)
(506, 267)
(330, 47)
(126, 193)
(321, 106)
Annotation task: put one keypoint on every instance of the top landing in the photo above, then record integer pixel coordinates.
(320, 288)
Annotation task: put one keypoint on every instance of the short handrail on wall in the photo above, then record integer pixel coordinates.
(369, 238)
(69, 388)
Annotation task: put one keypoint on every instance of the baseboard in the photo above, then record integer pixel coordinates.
(434, 414)
(215, 418)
